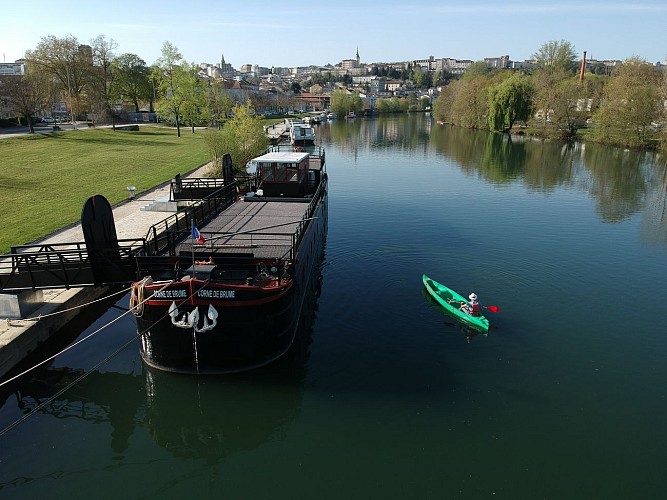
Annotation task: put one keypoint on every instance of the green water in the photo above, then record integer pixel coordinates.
(385, 396)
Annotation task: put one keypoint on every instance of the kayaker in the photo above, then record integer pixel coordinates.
(472, 307)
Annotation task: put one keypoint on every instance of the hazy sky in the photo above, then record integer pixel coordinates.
(300, 33)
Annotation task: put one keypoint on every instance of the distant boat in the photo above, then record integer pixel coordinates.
(351, 114)
(291, 122)
(331, 116)
(301, 134)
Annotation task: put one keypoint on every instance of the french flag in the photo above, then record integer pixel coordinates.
(196, 235)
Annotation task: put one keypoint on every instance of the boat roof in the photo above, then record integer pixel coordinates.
(282, 157)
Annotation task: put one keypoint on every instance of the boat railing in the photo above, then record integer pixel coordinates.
(164, 236)
(194, 188)
(313, 151)
(310, 211)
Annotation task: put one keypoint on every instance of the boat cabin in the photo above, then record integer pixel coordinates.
(286, 174)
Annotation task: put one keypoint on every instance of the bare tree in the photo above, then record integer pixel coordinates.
(29, 94)
(103, 92)
(67, 60)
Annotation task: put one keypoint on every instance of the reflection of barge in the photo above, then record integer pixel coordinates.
(230, 298)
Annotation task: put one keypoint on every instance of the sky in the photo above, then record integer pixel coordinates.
(301, 33)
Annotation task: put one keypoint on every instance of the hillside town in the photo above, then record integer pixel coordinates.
(279, 90)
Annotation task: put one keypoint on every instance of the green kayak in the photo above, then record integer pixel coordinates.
(442, 295)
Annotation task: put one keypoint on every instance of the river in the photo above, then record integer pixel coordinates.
(383, 395)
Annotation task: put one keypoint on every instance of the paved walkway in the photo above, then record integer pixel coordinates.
(19, 337)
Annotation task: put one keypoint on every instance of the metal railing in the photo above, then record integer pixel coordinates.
(66, 265)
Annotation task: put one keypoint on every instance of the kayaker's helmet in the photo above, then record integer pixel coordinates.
(472, 296)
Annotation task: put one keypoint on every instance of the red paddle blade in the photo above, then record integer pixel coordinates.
(493, 309)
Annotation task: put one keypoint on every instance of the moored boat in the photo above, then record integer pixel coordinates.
(228, 297)
(451, 301)
(302, 134)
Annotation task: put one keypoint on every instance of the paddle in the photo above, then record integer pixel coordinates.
(493, 309)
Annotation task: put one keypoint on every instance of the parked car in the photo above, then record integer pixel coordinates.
(49, 120)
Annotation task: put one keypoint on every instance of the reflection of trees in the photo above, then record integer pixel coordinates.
(618, 183)
(654, 225)
(622, 182)
(405, 131)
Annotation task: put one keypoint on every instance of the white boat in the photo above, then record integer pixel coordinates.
(351, 114)
(291, 122)
(301, 134)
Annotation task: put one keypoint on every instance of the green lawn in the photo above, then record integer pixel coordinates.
(46, 178)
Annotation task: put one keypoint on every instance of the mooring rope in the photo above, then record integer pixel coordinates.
(137, 296)
(96, 367)
(37, 318)
(5, 382)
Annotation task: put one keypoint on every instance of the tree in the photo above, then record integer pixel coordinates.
(103, 91)
(663, 114)
(242, 137)
(556, 56)
(478, 68)
(343, 102)
(172, 82)
(195, 98)
(631, 105)
(510, 101)
(219, 102)
(132, 79)
(68, 61)
(28, 94)
(548, 95)
(296, 87)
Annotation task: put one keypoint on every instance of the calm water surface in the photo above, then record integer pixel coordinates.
(384, 396)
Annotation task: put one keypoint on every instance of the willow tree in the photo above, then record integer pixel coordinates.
(510, 101)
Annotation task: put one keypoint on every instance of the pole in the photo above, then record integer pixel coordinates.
(192, 238)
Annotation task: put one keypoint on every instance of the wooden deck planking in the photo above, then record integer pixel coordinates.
(254, 220)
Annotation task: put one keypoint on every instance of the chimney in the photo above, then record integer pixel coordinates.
(583, 67)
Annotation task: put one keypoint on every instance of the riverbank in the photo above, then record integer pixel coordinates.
(53, 309)
(46, 177)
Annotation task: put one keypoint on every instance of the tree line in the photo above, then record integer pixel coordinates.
(627, 107)
(95, 81)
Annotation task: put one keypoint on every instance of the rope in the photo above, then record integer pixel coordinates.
(37, 318)
(96, 367)
(137, 296)
(5, 382)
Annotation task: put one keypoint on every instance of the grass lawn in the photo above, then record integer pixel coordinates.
(46, 178)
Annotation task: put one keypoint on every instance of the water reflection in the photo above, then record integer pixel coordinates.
(623, 183)
(189, 416)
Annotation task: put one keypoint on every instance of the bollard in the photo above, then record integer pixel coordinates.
(130, 191)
